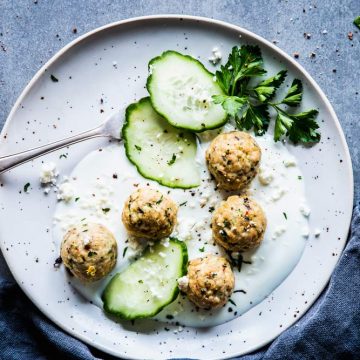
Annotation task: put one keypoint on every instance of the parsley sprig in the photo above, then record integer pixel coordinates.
(249, 104)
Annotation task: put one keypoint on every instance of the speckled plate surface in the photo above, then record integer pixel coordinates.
(110, 63)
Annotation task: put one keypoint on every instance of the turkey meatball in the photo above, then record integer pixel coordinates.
(238, 224)
(209, 282)
(149, 214)
(233, 158)
(89, 251)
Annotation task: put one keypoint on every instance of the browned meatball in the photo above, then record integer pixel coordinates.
(89, 251)
(238, 224)
(209, 282)
(149, 214)
(233, 159)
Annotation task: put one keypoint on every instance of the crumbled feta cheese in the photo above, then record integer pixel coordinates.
(48, 173)
(305, 210)
(266, 175)
(317, 232)
(278, 193)
(216, 56)
(183, 283)
(203, 201)
(305, 232)
(86, 238)
(191, 204)
(289, 162)
(279, 230)
(66, 192)
(165, 242)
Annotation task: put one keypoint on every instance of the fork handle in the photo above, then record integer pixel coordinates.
(10, 161)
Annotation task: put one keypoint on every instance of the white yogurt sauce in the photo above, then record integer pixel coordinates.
(103, 180)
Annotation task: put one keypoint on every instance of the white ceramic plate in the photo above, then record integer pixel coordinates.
(47, 111)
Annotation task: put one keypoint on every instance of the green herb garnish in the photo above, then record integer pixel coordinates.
(232, 302)
(285, 215)
(26, 187)
(202, 249)
(227, 224)
(92, 253)
(53, 78)
(357, 22)
(63, 156)
(183, 204)
(172, 161)
(160, 200)
(124, 251)
(77, 199)
(249, 104)
(137, 147)
(105, 210)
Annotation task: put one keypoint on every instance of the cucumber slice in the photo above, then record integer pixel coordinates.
(180, 88)
(149, 284)
(158, 150)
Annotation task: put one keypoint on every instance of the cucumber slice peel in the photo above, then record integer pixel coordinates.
(159, 151)
(180, 89)
(146, 286)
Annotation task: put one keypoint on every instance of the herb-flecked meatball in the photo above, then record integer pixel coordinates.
(209, 282)
(238, 224)
(149, 214)
(233, 158)
(89, 251)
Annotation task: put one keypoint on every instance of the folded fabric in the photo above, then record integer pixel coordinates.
(329, 330)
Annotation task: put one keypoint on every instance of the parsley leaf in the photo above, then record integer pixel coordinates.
(266, 90)
(256, 117)
(243, 63)
(231, 104)
(299, 127)
(54, 78)
(283, 124)
(249, 105)
(26, 187)
(357, 22)
(294, 95)
(304, 127)
(137, 147)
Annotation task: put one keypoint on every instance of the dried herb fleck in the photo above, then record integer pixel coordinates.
(26, 187)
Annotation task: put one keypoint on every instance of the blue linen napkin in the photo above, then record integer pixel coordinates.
(329, 330)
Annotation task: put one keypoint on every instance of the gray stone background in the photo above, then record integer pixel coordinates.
(31, 31)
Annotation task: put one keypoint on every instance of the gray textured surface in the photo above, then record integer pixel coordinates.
(32, 31)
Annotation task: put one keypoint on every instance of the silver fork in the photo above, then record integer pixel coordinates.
(110, 128)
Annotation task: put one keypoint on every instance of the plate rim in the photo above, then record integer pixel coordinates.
(207, 21)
